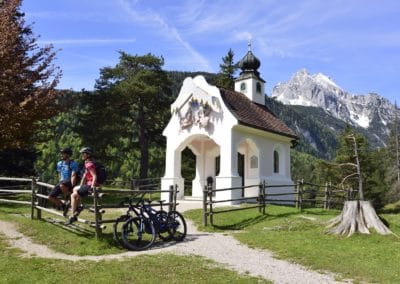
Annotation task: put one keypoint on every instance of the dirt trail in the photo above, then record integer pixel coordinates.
(218, 247)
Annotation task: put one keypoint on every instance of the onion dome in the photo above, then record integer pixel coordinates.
(249, 63)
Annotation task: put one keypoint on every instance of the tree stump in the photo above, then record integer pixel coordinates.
(357, 216)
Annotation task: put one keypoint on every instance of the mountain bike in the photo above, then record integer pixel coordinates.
(169, 225)
(139, 220)
(137, 230)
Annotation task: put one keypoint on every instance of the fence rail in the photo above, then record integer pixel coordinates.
(304, 194)
(38, 199)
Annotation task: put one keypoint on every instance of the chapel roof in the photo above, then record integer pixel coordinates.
(254, 115)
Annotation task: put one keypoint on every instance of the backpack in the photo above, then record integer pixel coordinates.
(100, 172)
(80, 173)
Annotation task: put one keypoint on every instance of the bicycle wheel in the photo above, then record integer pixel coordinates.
(176, 226)
(117, 229)
(138, 233)
(162, 225)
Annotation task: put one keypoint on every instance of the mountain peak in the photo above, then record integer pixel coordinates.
(318, 90)
(324, 80)
(301, 73)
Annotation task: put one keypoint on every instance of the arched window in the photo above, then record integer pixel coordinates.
(276, 161)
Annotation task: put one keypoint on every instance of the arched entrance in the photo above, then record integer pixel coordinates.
(205, 150)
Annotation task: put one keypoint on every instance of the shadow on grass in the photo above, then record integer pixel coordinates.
(73, 228)
(242, 224)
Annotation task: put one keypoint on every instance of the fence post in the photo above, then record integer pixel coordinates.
(326, 196)
(264, 195)
(33, 197)
(205, 193)
(97, 213)
(174, 195)
(300, 194)
(260, 196)
(209, 191)
(170, 197)
(41, 202)
(330, 193)
(297, 194)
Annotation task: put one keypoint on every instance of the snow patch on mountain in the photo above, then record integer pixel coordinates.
(361, 120)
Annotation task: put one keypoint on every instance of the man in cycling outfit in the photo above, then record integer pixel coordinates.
(67, 170)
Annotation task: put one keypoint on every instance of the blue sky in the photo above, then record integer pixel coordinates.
(355, 42)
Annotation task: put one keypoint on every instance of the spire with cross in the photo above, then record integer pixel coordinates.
(249, 43)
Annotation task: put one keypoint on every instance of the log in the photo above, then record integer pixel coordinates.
(357, 216)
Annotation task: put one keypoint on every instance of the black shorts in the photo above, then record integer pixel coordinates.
(85, 190)
(56, 191)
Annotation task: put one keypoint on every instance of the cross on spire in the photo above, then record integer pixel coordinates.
(249, 43)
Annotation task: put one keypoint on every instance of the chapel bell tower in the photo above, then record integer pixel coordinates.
(249, 82)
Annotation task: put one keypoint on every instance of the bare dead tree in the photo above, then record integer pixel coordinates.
(357, 215)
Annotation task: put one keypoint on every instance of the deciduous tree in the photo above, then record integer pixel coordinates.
(27, 79)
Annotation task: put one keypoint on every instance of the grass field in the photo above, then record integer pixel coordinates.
(302, 237)
(165, 268)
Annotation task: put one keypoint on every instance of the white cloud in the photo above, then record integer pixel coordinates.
(166, 30)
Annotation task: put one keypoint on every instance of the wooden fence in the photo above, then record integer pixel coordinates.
(38, 192)
(304, 195)
(325, 196)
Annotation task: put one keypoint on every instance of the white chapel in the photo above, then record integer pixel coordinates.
(236, 139)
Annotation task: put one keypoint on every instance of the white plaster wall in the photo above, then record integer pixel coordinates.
(266, 143)
(228, 182)
(219, 131)
(250, 91)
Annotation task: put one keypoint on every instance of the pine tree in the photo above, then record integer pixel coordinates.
(135, 102)
(227, 71)
(27, 79)
(397, 146)
(393, 161)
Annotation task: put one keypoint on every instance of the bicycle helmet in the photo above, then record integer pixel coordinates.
(86, 150)
(67, 151)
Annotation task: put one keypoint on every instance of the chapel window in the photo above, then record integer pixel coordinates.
(276, 161)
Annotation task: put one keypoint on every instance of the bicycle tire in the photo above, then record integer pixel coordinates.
(162, 225)
(134, 235)
(177, 226)
(117, 229)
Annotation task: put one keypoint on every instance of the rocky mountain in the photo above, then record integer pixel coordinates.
(372, 113)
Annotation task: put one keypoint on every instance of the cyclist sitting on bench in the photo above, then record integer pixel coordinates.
(67, 170)
(89, 180)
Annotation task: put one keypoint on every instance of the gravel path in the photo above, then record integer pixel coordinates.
(216, 246)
